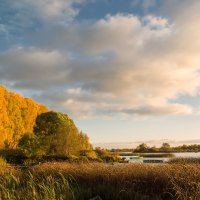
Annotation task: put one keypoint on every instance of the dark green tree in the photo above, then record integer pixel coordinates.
(55, 134)
(30, 145)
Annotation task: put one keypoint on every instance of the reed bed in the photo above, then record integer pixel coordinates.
(186, 160)
(60, 180)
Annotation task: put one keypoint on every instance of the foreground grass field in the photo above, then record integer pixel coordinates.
(60, 181)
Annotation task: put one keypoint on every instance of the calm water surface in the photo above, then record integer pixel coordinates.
(176, 155)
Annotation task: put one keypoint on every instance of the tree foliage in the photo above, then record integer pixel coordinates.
(142, 148)
(17, 117)
(56, 134)
(29, 145)
(165, 147)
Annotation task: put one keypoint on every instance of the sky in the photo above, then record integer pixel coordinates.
(124, 70)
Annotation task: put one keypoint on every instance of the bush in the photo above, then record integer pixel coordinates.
(89, 154)
(83, 158)
(12, 156)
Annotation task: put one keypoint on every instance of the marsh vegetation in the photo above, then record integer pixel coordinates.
(63, 181)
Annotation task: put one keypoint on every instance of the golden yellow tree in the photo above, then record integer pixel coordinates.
(17, 116)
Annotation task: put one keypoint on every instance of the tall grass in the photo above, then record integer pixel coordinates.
(184, 160)
(185, 181)
(27, 187)
(63, 181)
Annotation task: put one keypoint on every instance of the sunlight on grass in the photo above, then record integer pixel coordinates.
(65, 181)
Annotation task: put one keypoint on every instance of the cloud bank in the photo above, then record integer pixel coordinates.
(121, 65)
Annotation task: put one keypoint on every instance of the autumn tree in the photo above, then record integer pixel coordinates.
(57, 134)
(17, 117)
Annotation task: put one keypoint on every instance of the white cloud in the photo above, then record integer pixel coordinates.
(156, 22)
(21, 18)
(61, 10)
(32, 67)
(48, 10)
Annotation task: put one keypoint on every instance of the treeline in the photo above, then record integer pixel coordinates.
(144, 148)
(29, 131)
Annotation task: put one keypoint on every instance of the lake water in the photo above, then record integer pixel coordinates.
(164, 159)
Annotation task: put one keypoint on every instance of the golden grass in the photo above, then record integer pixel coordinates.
(61, 181)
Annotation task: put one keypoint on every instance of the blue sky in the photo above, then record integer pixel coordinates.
(123, 70)
(100, 8)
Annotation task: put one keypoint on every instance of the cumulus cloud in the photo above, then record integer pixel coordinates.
(20, 18)
(32, 67)
(59, 10)
(121, 65)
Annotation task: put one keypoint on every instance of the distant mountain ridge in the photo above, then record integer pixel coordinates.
(17, 116)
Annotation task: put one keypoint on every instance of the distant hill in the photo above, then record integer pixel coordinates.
(17, 116)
